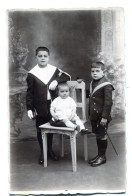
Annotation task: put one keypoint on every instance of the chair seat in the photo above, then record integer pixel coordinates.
(48, 126)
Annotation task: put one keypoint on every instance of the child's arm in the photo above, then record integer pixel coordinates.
(53, 113)
(73, 113)
(107, 104)
(60, 77)
(53, 108)
(87, 92)
(29, 96)
(73, 106)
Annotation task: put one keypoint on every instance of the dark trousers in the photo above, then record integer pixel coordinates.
(98, 129)
(42, 120)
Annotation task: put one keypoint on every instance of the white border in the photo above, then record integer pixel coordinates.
(55, 4)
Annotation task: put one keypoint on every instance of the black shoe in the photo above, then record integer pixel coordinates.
(52, 155)
(41, 159)
(85, 131)
(101, 160)
(93, 159)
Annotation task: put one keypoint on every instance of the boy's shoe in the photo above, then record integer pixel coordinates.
(93, 159)
(85, 131)
(100, 160)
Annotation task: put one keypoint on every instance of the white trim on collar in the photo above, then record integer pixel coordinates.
(98, 87)
(64, 73)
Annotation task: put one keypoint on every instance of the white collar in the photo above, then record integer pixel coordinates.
(43, 74)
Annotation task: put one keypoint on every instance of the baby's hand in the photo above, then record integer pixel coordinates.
(80, 80)
(55, 117)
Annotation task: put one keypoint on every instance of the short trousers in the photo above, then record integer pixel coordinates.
(98, 129)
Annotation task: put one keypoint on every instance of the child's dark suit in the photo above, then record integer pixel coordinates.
(100, 103)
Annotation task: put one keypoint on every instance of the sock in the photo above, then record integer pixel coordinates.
(79, 122)
(104, 144)
(69, 124)
(99, 146)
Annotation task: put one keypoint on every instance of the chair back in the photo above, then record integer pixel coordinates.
(78, 93)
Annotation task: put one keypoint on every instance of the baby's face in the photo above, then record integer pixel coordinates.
(42, 58)
(97, 73)
(63, 92)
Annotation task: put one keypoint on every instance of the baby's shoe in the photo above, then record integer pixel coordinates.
(85, 131)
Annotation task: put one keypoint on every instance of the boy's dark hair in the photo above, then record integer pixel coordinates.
(98, 64)
(42, 48)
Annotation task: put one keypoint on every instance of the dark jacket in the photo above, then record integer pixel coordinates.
(100, 101)
(36, 98)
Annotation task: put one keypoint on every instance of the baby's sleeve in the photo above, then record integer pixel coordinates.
(73, 103)
(53, 104)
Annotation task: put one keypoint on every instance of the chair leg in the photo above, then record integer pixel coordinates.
(45, 148)
(73, 152)
(85, 147)
(61, 146)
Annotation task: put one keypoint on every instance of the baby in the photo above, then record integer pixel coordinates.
(63, 110)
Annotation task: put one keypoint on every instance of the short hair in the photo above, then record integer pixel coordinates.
(63, 84)
(42, 48)
(98, 64)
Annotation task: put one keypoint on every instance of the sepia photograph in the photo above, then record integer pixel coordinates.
(67, 101)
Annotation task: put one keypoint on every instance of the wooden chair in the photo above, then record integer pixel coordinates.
(47, 128)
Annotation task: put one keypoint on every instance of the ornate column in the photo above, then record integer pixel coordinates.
(17, 77)
(112, 54)
(112, 33)
(107, 32)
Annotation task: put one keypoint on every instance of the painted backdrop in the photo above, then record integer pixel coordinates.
(75, 39)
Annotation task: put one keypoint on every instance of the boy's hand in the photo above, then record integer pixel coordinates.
(80, 80)
(30, 114)
(53, 85)
(103, 121)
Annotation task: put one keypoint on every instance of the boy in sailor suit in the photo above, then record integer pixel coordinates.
(42, 81)
(100, 103)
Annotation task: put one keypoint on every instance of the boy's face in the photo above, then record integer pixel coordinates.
(63, 92)
(97, 73)
(42, 58)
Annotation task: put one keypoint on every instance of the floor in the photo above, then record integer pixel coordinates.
(27, 176)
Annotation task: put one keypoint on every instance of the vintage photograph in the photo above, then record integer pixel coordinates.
(67, 101)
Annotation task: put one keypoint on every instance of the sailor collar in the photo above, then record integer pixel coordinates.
(99, 86)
